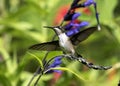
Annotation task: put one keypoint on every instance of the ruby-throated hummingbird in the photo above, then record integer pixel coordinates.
(64, 43)
(67, 44)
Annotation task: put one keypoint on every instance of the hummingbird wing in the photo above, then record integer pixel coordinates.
(81, 36)
(47, 46)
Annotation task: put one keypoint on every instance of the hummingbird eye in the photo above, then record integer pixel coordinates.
(59, 27)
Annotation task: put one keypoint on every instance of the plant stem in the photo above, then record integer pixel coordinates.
(35, 74)
(38, 69)
(38, 79)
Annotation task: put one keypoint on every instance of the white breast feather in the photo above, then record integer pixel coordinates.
(65, 43)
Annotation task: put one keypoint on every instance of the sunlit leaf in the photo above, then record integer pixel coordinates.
(39, 60)
(66, 69)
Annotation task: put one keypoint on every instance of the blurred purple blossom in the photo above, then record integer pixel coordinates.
(56, 63)
(75, 16)
(89, 2)
(76, 28)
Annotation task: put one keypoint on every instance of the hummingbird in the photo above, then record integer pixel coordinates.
(67, 45)
(64, 43)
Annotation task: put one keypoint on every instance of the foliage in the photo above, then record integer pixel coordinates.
(21, 25)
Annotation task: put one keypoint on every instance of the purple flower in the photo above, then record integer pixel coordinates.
(71, 16)
(72, 32)
(75, 16)
(76, 28)
(68, 26)
(56, 63)
(89, 2)
(82, 24)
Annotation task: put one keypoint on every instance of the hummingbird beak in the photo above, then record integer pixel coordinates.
(57, 29)
(52, 27)
(49, 27)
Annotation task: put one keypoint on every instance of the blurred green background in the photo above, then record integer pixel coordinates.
(21, 25)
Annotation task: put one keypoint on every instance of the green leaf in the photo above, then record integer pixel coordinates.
(67, 69)
(39, 60)
(21, 25)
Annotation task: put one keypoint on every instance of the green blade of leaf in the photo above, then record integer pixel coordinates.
(67, 69)
(39, 60)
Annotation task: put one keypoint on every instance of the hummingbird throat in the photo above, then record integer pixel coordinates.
(66, 44)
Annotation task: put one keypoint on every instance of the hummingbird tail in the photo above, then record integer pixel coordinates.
(91, 65)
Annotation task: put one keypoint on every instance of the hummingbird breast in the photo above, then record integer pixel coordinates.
(66, 44)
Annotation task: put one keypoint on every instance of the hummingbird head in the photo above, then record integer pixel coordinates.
(57, 29)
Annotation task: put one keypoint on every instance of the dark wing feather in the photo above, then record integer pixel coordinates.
(47, 46)
(81, 36)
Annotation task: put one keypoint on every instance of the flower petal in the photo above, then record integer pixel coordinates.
(89, 2)
(72, 32)
(75, 16)
(76, 28)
